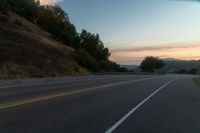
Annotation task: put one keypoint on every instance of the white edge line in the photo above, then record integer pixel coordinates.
(117, 124)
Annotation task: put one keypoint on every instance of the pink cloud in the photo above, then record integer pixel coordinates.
(49, 2)
(137, 54)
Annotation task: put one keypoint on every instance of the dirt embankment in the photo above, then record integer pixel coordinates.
(28, 51)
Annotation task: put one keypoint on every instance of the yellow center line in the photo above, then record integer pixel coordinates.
(53, 96)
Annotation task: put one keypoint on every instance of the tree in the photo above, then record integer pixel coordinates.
(192, 71)
(3, 6)
(150, 64)
(85, 60)
(25, 8)
(90, 51)
(55, 20)
(93, 45)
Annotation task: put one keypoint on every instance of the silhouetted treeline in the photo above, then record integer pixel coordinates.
(184, 71)
(151, 64)
(90, 51)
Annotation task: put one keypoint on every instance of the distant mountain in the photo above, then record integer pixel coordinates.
(131, 67)
(175, 65)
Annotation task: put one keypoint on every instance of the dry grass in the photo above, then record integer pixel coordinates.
(28, 51)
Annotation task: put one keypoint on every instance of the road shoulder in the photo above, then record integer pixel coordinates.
(197, 80)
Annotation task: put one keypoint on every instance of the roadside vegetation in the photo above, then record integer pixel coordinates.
(197, 80)
(151, 64)
(184, 71)
(86, 48)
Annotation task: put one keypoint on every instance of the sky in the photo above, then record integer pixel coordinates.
(133, 29)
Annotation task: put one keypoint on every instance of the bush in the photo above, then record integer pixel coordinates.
(3, 17)
(4, 6)
(85, 60)
(25, 8)
(90, 52)
(150, 64)
(55, 20)
(17, 22)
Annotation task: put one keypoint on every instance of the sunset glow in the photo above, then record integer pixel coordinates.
(183, 52)
(133, 29)
(49, 2)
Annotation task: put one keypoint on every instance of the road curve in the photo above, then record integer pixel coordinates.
(101, 104)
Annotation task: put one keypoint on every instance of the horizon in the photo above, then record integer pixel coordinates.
(135, 29)
(164, 59)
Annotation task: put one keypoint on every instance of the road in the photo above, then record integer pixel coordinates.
(101, 104)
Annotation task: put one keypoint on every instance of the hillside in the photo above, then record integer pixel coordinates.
(173, 65)
(52, 48)
(28, 51)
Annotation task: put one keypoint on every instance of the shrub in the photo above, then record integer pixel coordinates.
(17, 22)
(85, 60)
(150, 64)
(4, 6)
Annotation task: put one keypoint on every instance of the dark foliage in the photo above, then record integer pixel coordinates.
(25, 8)
(93, 45)
(184, 71)
(85, 60)
(4, 6)
(94, 65)
(90, 51)
(150, 64)
(55, 20)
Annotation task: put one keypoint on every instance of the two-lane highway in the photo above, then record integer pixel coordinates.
(101, 104)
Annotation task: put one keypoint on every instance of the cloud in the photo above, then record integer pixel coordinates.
(157, 47)
(186, 51)
(49, 2)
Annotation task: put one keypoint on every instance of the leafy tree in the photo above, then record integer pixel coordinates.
(184, 71)
(93, 45)
(85, 60)
(4, 6)
(25, 8)
(90, 51)
(150, 64)
(55, 20)
(192, 71)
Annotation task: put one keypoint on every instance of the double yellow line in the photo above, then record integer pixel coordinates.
(53, 96)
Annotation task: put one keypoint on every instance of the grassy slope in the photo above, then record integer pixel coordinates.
(28, 51)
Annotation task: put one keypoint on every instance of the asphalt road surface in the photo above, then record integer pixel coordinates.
(101, 104)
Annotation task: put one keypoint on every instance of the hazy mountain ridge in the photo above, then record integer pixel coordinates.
(130, 67)
(172, 65)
